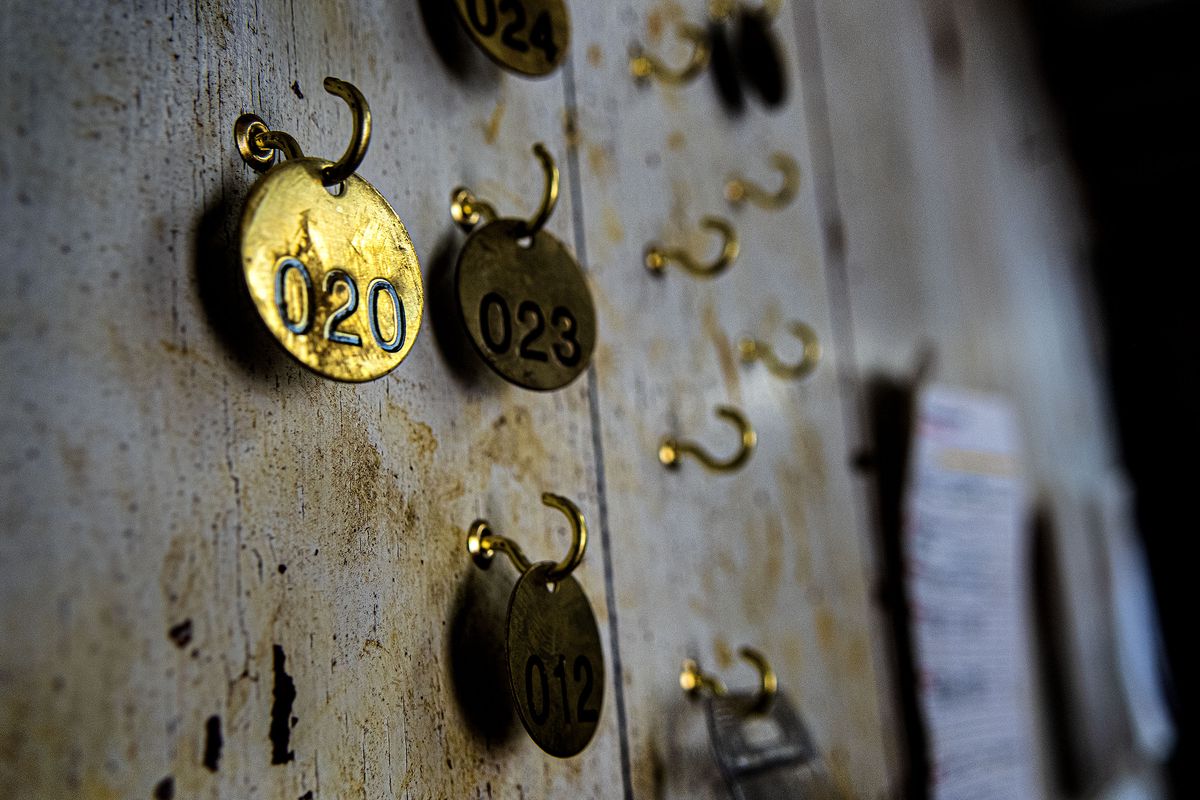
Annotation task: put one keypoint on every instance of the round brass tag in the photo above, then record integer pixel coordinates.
(527, 36)
(527, 307)
(335, 278)
(555, 662)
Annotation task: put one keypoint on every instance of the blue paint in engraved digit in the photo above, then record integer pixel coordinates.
(301, 326)
(383, 285)
(332, 278)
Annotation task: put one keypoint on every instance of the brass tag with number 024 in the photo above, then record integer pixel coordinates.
(527, 36)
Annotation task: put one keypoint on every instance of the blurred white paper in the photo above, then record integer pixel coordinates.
(966, 560)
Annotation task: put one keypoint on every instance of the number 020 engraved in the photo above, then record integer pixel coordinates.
(296, 303)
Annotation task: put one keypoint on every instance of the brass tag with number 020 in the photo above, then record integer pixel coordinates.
(523, 297)
(527, 36)
(329, 266)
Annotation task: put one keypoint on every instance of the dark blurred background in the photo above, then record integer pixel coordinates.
(1123, 73)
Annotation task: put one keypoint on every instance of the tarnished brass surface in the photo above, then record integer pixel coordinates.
(555, 661)
(528, 310)
(530, 37)
(341, 321)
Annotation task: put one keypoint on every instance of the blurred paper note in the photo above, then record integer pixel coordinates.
(966, 555)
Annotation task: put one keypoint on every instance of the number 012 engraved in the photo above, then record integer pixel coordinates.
(577, 695)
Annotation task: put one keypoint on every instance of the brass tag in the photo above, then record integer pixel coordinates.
(335, 278)
(555, 662)
(526, 36)
(526, 305)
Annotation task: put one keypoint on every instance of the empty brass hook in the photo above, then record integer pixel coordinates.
(657, 257)
(739, 190)
(671, 450)
(643, 66)
(695, 681)
(483, 543)
(467, 210)
(754, 350)
(257, 143)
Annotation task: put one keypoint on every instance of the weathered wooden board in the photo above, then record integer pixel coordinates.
(965, 247)
(769, 556)
(195, 527)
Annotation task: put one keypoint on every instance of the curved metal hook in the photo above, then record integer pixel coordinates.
(467, 210)
(360, 133)
(695, 681)
(643, 66)
(671, 450)
(483, 543)
(768, 683)
(657, 257)
(755, 350)
(739, 190)
(257, 143)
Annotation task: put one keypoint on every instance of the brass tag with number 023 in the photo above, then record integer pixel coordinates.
(527, 36)
(331, 271)
(527, 307)
(522, 296)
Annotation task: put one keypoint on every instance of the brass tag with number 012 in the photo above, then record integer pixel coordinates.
(329, 266)
(555, 662)
(527, 36)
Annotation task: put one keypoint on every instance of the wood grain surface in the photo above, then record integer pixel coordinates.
(223, 576)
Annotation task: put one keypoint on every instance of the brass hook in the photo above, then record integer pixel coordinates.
(657, 257)
(483, 543)
(695, 681)
(360, 135)
(754, 350)
(644, 67)
(467, 210)
(739, 190)
(671, 450)
(257, 143)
